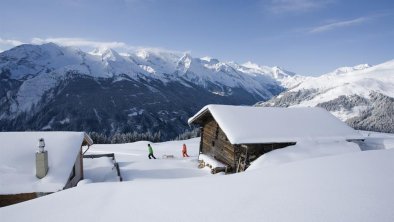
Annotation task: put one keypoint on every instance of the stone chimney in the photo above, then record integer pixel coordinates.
(41, 160)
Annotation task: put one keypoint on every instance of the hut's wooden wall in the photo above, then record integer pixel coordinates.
(9, 199)
(216, 144)
(76, 173)
(247, 153)
(6, 200)
(256, 150)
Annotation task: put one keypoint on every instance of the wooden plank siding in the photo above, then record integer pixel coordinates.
(10, 199)
(256, 150)
(214, 143)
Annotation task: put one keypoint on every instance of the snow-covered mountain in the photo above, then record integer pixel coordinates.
(49, 87)
(363, 95)
(286, 78)
(52, 87)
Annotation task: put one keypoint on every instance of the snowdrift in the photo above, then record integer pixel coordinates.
(351, 187)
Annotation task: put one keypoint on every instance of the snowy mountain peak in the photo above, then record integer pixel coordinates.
(142, 54)
(362, 66)
(209, 60)
(97, 51)
(251, 65)
(29, 51)
(185, 62)
(106, 54)
(50, 45)
(154, 53)
(186, 56)
(276, 71)
(280, 72)
(165, 59)
(348, 69)
(110, 54)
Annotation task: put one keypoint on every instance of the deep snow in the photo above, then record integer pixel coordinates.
(17, 160)
(350, 187)
(135, 165)
(340, 186)
(303, 150)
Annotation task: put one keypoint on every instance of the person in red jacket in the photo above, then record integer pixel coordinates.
(184, 151)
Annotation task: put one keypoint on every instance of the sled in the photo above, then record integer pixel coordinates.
(165, 156)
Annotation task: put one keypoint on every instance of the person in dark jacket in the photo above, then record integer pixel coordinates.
(150, 150)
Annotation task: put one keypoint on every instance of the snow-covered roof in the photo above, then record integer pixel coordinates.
(17, 160)
(248, 125)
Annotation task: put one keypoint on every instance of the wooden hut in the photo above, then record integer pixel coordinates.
(34, 164)
(237, 135)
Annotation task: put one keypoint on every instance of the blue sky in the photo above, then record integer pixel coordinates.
(305, 36)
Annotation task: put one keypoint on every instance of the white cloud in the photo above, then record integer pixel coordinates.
(80, 42)
(286, 6)
(338, 24)
(86, 43)
(10, 42)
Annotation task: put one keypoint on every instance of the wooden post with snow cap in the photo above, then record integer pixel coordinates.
(41, 160)
(201, 141)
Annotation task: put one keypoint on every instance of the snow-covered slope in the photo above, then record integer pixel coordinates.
(347, 69)
(349, 81)
(44, 85)
(348, 187)
(286, 78)
(165, 88)
(360, 95)
(43, 66)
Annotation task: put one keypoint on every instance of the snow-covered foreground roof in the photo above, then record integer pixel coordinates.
(245, 124)
(350, 187)
(17, 160)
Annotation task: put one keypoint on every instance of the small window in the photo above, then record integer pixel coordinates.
(213, 143)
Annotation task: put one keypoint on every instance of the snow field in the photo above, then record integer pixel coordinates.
(311, 181)
(134, 163)
(350, 187)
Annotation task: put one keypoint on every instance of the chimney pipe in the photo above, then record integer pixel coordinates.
(41, 160)
(41, 145)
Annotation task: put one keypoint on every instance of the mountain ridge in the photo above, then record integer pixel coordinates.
(138, 91)
(51, 87)
(362, 95)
